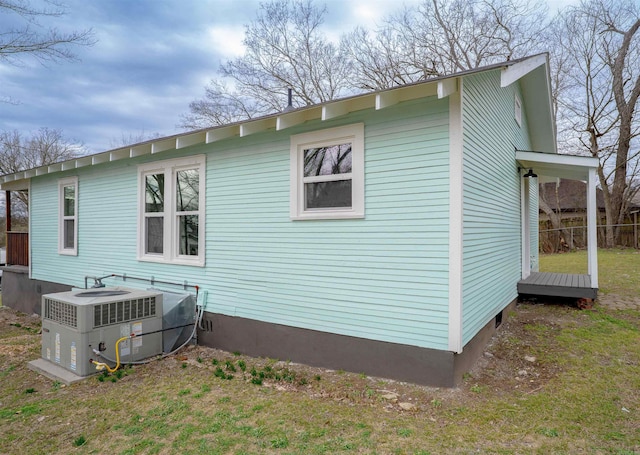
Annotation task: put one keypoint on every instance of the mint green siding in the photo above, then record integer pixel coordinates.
(384, 277)
(491, 199)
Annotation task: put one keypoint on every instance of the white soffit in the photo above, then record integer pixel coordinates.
(551, 165)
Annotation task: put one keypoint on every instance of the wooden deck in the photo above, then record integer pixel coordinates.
(558, 285)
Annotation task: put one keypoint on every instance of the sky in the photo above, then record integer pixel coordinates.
(150, 60)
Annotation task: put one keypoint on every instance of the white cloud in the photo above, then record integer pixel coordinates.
(226, 40)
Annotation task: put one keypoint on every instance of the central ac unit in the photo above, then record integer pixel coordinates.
(75, 323)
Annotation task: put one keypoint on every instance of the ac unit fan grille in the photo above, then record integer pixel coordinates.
(123, 311)
(61, 312)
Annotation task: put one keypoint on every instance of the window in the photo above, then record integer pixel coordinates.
(327, 174)
(518, 111)
(68, 216)
(172, 211)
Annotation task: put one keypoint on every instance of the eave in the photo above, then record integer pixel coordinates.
(441, 87)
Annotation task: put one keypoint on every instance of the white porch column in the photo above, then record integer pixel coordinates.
(592, 228)
(525, 201)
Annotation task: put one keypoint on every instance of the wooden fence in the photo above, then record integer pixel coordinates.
(17, 248)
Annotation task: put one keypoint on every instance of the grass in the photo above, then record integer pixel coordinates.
(581, 394)
(618, 270)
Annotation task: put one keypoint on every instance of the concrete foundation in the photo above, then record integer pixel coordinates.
(339, 352)
(24, 294)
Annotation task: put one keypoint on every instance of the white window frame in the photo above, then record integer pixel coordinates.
(324, 138)
(62, 184)
(518, 110)
(171, 230)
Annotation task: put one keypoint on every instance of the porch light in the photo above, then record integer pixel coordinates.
(529, 174)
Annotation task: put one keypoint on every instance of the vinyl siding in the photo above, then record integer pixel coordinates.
(491, 199)
(383, 277)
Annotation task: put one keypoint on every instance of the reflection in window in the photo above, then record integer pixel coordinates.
(327, 173)
(328, 194)
(170, 210)
(188, 227)
(68, 216)
(154, 193)
(69, 234)
(155, 237)
(187, 186)
(327, 160)
(70, 200)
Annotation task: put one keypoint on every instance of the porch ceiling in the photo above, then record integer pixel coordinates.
(549, 166)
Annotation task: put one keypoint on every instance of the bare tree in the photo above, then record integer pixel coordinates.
(47, 146)
(442, 37)
(285, 48)
(29, 38)
(598, 103)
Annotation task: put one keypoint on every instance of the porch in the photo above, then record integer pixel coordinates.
(558, 285)
(548, 167)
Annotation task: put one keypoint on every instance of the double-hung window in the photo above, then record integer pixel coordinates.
(171, 213)
(327, 173)
(68, 216)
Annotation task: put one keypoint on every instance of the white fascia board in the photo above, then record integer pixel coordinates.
(140, 150)
(42, 170)
(67, 165)
(219, 134)
(101, 158)
(15, 185)
(161, 146)
(191, 139)
(257, 126)
(118, 154)
(85, 161)
(514, 72)
(334, 110)
(447, 87)
(386, 99)
(57, 167)
(287, 120)
(557, 159)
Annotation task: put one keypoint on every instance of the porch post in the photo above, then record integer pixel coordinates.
(7, 209)
(526, 226)
(592, 228)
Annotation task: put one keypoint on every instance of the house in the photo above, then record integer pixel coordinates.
(385, 233)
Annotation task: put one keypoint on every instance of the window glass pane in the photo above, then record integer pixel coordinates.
(154, 193)
(187, 190)
(188, 228)
(154, 231)
(327, 160)
(69, 233)
(328, 194)
(69, 200)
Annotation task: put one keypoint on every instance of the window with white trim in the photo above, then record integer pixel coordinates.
(518, 110)
(327, 173)
(68, 216)
(171, 211)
